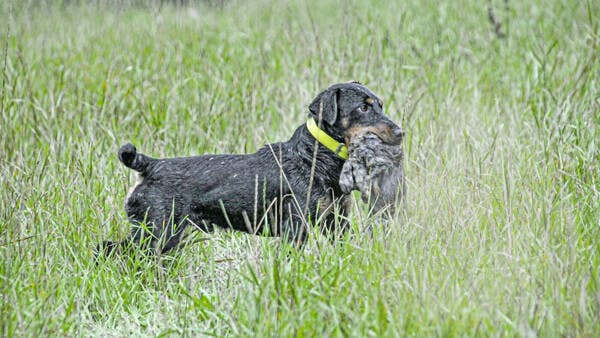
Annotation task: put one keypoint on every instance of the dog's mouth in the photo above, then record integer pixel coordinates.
(395, 137)
(392, 135)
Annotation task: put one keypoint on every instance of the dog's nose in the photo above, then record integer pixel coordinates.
(397, 134)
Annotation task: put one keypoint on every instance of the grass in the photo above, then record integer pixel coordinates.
(500, 236)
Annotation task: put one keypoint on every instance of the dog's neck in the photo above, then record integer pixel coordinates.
(326, 163)
(326, 140)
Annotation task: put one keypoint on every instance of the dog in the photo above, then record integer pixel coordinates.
(280, 190)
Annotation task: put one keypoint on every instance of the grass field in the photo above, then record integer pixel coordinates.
(501, 232)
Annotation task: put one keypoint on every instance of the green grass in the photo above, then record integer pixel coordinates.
(501, 232)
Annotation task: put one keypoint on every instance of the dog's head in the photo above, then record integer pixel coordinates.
(345, 109)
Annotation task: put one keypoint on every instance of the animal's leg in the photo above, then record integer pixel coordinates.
(294, 228)
(138, 237)
(172, 237)
(336, 222)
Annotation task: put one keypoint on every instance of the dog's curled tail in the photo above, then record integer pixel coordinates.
(134, 160)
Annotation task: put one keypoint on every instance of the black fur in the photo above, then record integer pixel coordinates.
(279, 190)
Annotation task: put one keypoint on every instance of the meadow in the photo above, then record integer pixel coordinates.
(500, 235)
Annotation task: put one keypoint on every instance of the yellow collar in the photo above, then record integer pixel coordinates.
(329, 142)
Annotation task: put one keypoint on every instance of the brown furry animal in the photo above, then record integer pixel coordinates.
(375, 169)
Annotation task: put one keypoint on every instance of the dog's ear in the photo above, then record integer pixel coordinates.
(325, 106)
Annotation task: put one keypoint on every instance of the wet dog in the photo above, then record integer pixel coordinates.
(280, 190)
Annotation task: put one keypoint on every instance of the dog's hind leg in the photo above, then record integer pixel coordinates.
(170, 238)
(139, 237)
(158, 235)
(146, 238)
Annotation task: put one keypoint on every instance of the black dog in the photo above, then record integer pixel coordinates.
(279, 190)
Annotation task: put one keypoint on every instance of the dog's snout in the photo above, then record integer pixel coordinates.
(394, 133)
(398, 132)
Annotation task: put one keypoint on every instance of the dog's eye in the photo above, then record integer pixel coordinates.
(363, 109)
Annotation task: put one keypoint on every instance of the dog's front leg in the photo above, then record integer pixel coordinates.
(295, 232)
(293, 226)
(335, 223)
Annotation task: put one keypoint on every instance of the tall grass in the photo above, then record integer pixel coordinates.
(500, 236)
